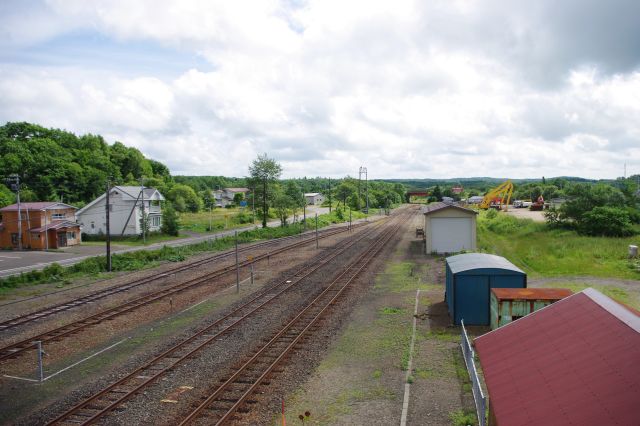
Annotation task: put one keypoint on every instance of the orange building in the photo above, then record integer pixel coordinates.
(44, 225)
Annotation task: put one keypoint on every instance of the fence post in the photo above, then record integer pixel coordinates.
(478, 396)
(40, 369)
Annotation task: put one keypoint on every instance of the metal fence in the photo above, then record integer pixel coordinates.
(478, 395)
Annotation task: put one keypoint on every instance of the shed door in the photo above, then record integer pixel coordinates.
(450, 234)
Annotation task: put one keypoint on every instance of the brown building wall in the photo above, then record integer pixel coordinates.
(33, 219)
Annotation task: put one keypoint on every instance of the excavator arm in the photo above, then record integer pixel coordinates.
(500, 194)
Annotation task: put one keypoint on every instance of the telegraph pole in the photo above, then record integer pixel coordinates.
(15, 185)
(237, 266)
(108, 227)
(144, 220)
(329, 196)
(363, 171)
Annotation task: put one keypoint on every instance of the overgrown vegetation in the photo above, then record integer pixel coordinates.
(598, 210)
(542, 250)
(463, 418)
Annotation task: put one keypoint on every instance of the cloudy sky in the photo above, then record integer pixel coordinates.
(409, 89)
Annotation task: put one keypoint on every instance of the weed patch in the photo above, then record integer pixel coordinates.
(542, 251)
(463, 418)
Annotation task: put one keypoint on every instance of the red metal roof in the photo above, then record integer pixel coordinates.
(531, 293)
(575, 362)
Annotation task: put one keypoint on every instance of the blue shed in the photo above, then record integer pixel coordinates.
(470, 278)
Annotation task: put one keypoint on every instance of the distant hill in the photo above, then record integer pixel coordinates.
(479, 183)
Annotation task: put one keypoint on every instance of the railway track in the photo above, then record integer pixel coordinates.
(119, 392)
(225, 401)
(18, 348)
(93, 297)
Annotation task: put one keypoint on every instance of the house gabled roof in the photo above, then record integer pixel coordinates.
(434, 207)
(311, 194)
(132, 192)
(38, 205)
(574, 362)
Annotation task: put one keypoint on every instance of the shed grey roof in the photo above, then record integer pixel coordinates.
(433, 207)
(471, 261)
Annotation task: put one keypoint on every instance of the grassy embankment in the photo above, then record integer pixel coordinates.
(543, 252)
(95, 267)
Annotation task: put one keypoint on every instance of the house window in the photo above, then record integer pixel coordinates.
(155, 221)
(71, 235)
(57, 216)
(93, 225)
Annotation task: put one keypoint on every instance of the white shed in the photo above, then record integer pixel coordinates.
(449, 228)
(314, 198)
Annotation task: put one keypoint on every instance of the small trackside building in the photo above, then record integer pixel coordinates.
(469, 280)
(510, 304)
(314, 198)
(449, 228)
(574, 362)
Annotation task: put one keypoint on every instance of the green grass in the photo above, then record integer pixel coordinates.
(544, 252)
(401, 277)
(617, 293)
(463, 418)
(134, 240)
(219, 218)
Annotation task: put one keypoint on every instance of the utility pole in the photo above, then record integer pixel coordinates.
(304, 210)
(210, 229)
(46, 231)
(329, 196)
(363, 171)
(108, 227)
(15, 185)
(253, 209)
(366, 187)
(237, 266)
(144, 220)
(316, 230)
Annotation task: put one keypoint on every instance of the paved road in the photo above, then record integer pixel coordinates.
(16, 262)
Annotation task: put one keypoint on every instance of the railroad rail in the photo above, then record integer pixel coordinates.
(16, 349)
(119, 392)
(90, 298)
(221, 405)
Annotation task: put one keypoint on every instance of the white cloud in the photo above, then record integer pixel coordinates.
(408, 89)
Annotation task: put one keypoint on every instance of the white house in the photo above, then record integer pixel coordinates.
(314, 198)
(125, 211)
(449, 228)
(225, 196)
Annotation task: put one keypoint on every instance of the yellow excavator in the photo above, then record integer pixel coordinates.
(498, 197)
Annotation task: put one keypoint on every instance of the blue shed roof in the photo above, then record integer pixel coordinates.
(472, 261)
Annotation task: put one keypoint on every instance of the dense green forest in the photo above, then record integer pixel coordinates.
(55, 164)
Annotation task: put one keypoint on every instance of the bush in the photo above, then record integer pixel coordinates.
(491, 214)
(607, 222)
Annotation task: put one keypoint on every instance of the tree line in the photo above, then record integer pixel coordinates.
(57, 165)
